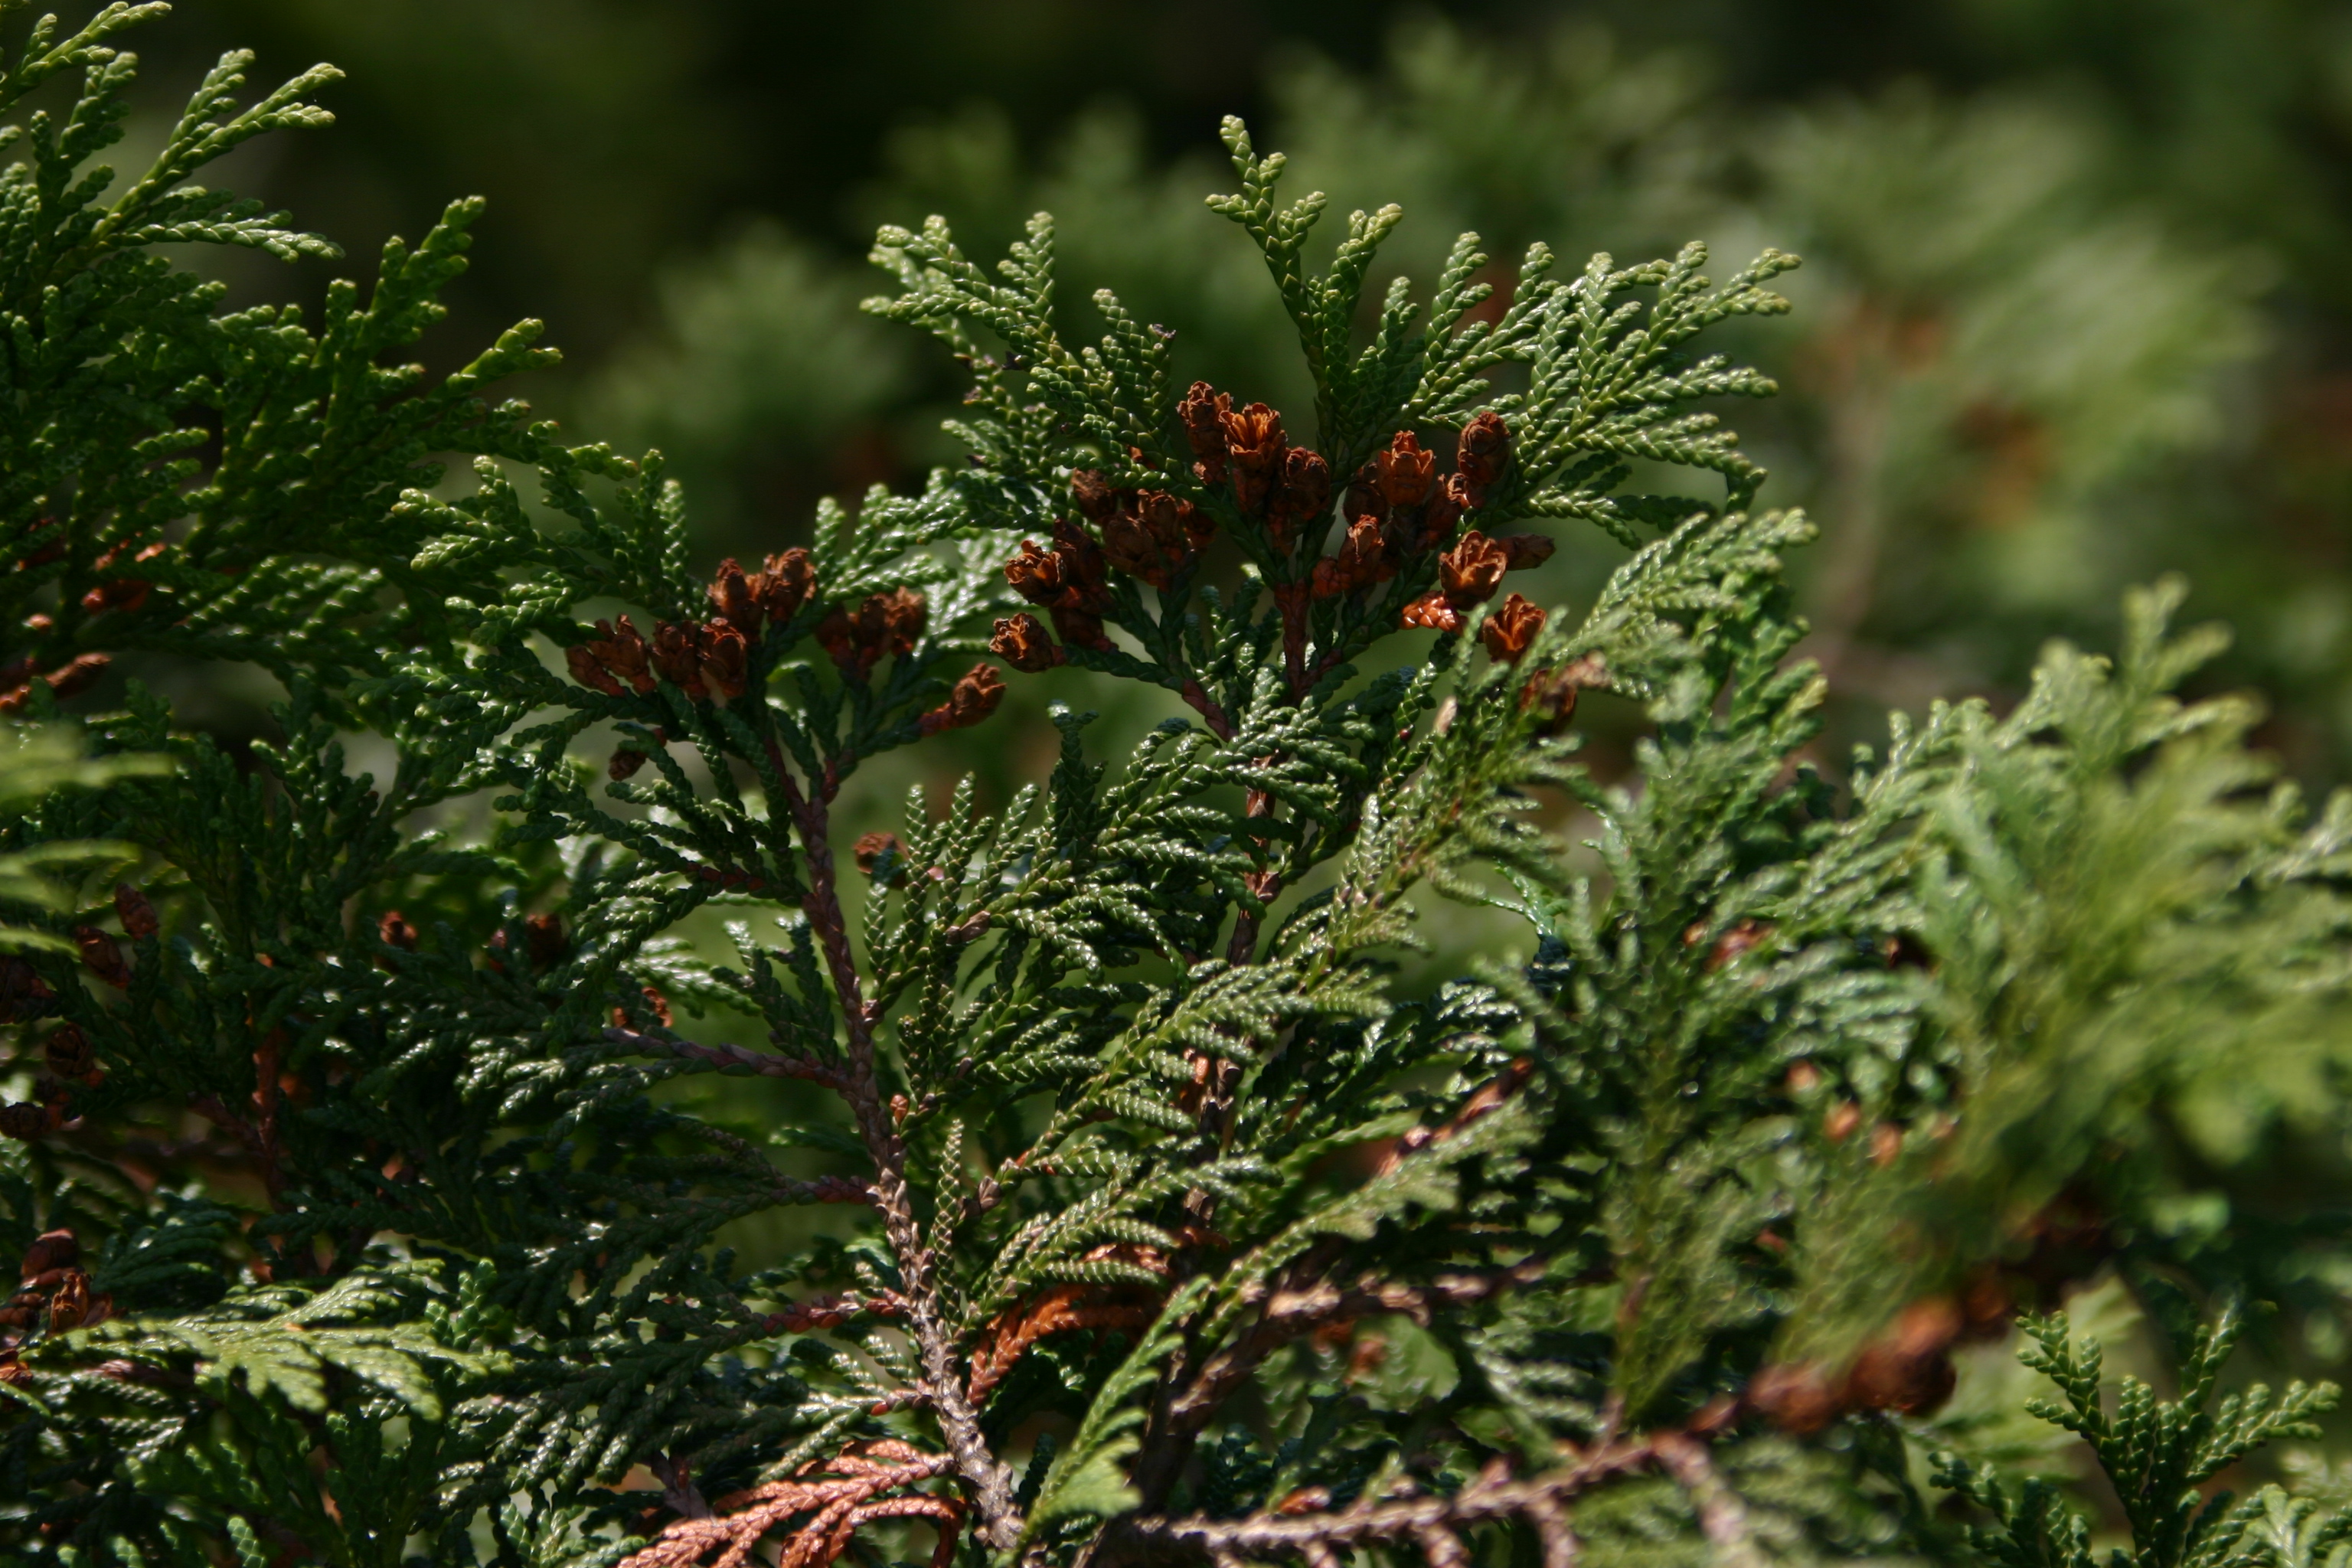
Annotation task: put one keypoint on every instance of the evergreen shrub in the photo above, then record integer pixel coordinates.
(1105, 1175)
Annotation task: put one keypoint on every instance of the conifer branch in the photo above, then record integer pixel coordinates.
(944, 1383)
(1432, 1524)
(1158, 1133)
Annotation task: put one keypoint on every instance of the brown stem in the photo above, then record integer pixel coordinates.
(1485, 1101)
(1266, 885)
(1722, 1517)
(1433, 1523)
(1290, 598)
(679, 1493)
(727, 1056)
(1167, 1441)
(210, 1108)
(1293, 1312)
(989, 1479)
(265, 1098)
(1306, 1302)
(259, 1141)
(1219, 725)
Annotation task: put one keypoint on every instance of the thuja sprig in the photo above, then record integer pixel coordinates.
(1032, 947)
(1122, 1187)
(1090, 446)
(2157, 1454)
(1397, 545)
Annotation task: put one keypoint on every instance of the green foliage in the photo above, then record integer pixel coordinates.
(1114, 1175)
(2021, 376)
(2156, 1455)
(43, 762)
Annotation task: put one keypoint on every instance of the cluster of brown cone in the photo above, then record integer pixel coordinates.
(1906, 1367)
(1283, 487)
(714, 656)
(1401, 510)
(1070, 583)
(53, 1290)
(80, 673)
(70, 679)
(883, 623)
(66, 1050)
(1399, 507)
(699, 658)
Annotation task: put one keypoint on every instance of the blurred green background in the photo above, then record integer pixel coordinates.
(2077, 306)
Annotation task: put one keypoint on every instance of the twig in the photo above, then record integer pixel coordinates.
(1721, 1515)
(1219, 725)
(679, 1493)
(1290, 1311)
(1435, 1523)
(1290, 599)
(854, 1494)
(727, 1055)
(990, 1478)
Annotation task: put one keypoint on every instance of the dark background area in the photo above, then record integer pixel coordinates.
(2077, 307)
(613, 137)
